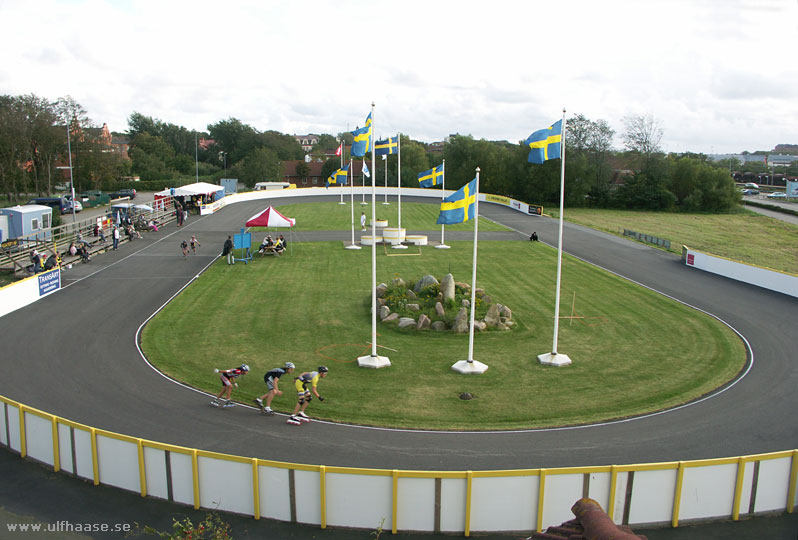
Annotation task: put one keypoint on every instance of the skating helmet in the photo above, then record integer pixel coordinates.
(323, 369)
(244, 367)
(289, 365)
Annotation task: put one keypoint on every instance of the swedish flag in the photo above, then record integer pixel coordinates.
(432, 177)
(339, 176)
(387, 147)
(460, 206)
(545, 144)
(362, 142)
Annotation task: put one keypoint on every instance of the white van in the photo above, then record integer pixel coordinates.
(263, 186)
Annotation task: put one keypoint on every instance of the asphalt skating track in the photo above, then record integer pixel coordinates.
(74, 354)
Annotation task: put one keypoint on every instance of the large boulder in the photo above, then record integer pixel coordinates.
(381, 288)
(424, 282)
(438, 326)
(384, 312)
(492, 317)
(411, 295)
(460, 325)
(439, 311)
(413, 307)
(398, 282)
(404, 322)
(423, 322)
(392, 318)
(447, 288)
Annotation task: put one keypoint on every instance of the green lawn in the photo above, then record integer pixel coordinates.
(311, 307)
(742, 236)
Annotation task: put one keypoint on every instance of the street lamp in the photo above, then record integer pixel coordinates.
(71, 179)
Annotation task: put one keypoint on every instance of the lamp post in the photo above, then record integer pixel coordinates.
(71, 179)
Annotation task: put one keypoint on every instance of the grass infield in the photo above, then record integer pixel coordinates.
(311, 307)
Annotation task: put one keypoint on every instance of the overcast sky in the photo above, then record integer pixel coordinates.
(719, 76)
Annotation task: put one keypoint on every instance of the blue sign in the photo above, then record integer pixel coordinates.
(49, 281)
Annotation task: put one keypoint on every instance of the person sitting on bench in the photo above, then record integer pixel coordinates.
(279, 247)
(267, 245)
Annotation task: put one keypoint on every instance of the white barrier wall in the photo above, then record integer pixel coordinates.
(761, 277)
(430, 501)
(21, 293)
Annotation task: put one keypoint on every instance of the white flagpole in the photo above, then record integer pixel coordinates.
(352, 203)
(341, 148)
(554, 358)
(470, 366)
(373, 360)
(385, 159)
(442, 245)
(400, 235)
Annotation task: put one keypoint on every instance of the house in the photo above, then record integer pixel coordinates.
(307, 141)
(314, 177)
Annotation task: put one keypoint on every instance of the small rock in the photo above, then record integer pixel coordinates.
(404, 322)
(466, 396)
(438, 326)
(423, 322)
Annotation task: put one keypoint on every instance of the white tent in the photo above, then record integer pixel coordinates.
(200, 188)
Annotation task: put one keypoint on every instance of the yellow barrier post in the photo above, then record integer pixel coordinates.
(541, 491)
(613, 487)
(469, 479)
(23, 447)
(56, 450)
(95, 462)
(793, 475)
(195, 477)
(677, 495)
(255, 489)
(738, 488)
(323, 494)
(142, 470)
(395, 504)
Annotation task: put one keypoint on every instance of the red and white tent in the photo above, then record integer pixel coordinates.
(270, 218)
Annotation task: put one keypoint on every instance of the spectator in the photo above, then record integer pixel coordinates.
(227, 251)
(116, 236)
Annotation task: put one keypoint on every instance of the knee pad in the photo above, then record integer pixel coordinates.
(309, 399)
(301, 400)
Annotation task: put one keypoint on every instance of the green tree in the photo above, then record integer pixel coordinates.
(260, 165)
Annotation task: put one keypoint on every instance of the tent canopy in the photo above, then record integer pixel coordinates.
(270, 218)
(200, 188)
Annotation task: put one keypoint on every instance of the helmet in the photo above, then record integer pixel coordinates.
(323, 369)
(244, 367)
(289, 365)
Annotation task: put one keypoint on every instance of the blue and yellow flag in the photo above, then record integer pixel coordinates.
(362, 143)
(387, 146)
(545, 143)
(432, 177)
(339, 176)
(460, 206)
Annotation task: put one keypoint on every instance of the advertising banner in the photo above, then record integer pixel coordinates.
(49, 281)
(792, 189)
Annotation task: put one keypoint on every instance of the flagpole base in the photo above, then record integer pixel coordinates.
(554, 359)
(442, 246)
(352, 246)
(470, 368)
(375, 362)
(386, 204)
(364, 204)
(398, 246)
(342, 202)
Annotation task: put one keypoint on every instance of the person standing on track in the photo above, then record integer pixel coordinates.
(228, 378)
(304, 395)
(272, 379)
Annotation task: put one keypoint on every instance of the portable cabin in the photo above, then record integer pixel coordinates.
(32, 221)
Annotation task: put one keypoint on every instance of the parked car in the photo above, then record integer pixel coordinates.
(124, 192)
(750, 192)
(78, 204)
(62, 204)
(751, 185)
(777, 195)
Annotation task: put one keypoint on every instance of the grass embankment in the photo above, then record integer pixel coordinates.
(743, 236)
(311, 307)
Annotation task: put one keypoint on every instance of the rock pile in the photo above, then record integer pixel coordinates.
(440, 306)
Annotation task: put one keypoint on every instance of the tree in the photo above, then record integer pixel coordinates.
(302, 169)
(260, 165)
(643, 134)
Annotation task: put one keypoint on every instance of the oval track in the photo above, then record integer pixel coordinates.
(74, 354)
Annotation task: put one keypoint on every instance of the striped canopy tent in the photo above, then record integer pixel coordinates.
(271, 218)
